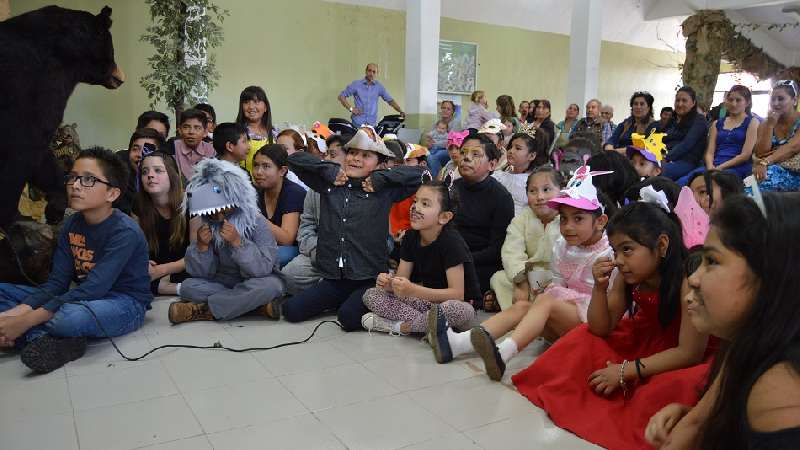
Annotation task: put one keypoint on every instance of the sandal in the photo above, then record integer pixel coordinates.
(490, 303)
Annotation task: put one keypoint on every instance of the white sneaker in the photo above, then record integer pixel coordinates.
(373, 322)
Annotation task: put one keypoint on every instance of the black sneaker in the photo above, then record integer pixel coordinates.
(49, 353)
(484, 345)
(437, 335)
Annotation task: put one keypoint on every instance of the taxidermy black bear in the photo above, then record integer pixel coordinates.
(44, 54)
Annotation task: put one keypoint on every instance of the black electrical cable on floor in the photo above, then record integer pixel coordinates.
(215, 346)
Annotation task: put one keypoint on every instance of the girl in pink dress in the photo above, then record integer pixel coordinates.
(559, 307)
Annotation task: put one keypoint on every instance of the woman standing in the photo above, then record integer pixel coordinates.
(255, 113)
(478, 111)
(505, 107)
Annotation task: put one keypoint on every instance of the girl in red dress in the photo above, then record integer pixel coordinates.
(603, 380)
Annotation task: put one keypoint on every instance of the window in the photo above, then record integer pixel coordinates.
(759, 88)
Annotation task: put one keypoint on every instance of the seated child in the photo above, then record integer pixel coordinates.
(646, 153)
(557, 308)
(646, 163)
(528, 247)
(743, 294)
(659, 183)
(233, 262)
(435, 269)
(190, 149)
(279, 199)
(525, 153)
(303, 272)
(454, 141)
(354, 224)
(335, 145)
(712, 187)
(99, 248)
(486, 207)
(143, 141)
(399, 215)
(159, 215)
(439, 135)
(294, 142)
(211, 116)
(493, 129)
(438, 149)
(603, 380)
(230, 142)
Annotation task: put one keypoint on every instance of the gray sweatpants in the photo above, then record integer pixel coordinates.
(300, 274)
(230, 302)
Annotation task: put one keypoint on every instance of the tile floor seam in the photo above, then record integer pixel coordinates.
(72, 405)
(333, 433)
(169, 442)
(185, 402)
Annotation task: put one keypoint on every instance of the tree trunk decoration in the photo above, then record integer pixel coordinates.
(706, 33)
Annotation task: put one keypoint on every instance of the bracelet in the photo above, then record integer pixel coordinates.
(639, 366)
(764, 162)
(622, 383)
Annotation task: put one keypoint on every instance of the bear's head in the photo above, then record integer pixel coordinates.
(82, 42)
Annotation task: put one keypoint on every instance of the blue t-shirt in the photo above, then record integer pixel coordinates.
(366, 99)
(290, 200)
(111, 256)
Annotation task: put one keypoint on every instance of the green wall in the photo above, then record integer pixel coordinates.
(303, 52)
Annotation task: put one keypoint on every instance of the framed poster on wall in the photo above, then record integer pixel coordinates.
(458, 67)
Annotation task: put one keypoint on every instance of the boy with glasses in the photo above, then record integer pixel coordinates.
(100, 249)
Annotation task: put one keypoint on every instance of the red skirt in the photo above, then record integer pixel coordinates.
(558, 382)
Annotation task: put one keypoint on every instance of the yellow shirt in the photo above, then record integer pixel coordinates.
(255, 145)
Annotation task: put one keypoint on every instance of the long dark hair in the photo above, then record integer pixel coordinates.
(770, 332)
(448, 196)
(688, 119)
(644, 223)
(614, 184)
(537, 144)
(648, 98)
(256, 93)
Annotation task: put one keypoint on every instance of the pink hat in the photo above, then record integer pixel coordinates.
(580, 192)
(456, 137)
(694, 221)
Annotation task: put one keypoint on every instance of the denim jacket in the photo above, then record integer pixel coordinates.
(353, 224)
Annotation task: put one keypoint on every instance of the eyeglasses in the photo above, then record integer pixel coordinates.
(86, 180)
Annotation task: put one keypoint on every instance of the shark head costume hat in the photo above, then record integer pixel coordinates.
(218, 186)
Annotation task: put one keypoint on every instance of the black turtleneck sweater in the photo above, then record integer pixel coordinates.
(484, 212)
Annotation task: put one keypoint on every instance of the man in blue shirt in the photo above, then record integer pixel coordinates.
(365, 92)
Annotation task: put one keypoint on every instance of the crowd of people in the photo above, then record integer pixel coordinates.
(644, 251)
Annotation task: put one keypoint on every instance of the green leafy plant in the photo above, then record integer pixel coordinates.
(183, 67)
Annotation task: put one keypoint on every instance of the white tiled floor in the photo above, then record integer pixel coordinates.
(340, 391)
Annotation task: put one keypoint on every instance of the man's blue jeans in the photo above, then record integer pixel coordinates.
(118, 313)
